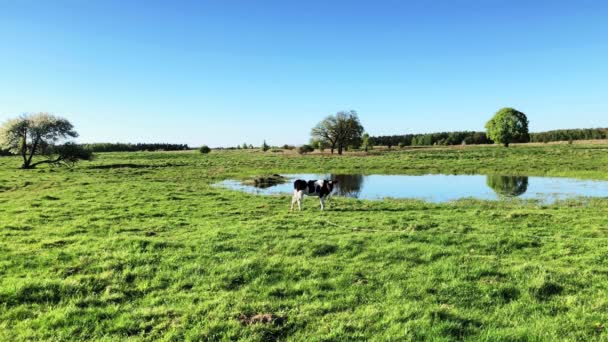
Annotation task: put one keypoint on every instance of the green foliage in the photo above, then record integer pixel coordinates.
(570, 135)
(305, 149)
(430, 139)
(204, 149)
(508, 126)
(142, 246)
(366, 144)
(68, 154)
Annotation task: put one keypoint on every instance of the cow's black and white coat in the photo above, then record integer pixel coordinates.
(320, 188)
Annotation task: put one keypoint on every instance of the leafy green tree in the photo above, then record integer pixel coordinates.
(339, 131)
(38, 134)
(265, 146)
(508, 126)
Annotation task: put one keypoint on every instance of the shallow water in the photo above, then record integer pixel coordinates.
(442, 188)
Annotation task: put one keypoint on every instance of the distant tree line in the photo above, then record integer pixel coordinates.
(123, 147)
(570, 134)
(481, 138)
(430, 139)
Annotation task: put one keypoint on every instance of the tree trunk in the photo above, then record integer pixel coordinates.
(506, 144)
(28, 165)
(340, 149)
(24, 151)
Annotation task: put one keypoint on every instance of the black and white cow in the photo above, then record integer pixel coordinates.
(320, 188)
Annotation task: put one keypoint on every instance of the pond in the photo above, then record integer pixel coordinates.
(441, 188)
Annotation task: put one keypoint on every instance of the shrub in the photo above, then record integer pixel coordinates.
(204, 149)
(305, 149)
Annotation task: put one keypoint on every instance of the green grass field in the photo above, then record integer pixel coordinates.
(141, 246)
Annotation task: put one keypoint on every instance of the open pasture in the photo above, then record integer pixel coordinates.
(141, 246)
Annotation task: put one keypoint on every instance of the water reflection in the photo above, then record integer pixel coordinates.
(348, 185)
(508, 186)
(440, 188)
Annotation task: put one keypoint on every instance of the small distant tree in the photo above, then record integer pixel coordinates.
(245, 146)
(265, 146)
(366, 143)
(204, 149)
(508, 126)
(39, 134)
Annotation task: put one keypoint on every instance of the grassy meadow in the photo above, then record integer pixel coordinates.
(140, 246)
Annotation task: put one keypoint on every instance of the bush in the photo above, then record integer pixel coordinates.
(305, 149)
(204, 149)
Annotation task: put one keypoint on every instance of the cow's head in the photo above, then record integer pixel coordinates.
(330, 185)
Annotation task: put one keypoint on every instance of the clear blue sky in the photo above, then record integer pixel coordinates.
(225, 72)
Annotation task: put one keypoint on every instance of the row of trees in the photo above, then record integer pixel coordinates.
(124, 147)
(429, 139)
(344, 130)
(570, 135)
(506, 127)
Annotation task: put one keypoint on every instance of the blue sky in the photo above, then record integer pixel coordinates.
(226, 72)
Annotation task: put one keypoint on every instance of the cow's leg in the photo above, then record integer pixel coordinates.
(322, 200)
(300, 197)
(294, 199)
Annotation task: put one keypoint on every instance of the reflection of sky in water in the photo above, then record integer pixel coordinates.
(440, 188)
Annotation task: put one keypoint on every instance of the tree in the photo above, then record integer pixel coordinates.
(265, 146)
(339, 131)
(366, 143)
(38, 134)
(508, 126)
